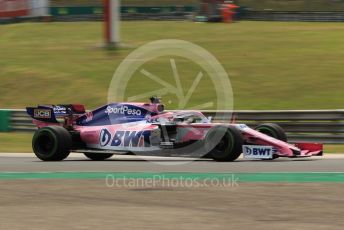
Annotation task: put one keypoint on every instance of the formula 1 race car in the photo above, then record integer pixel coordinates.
(146, 129)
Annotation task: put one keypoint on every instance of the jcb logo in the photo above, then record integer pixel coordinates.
(42, 113)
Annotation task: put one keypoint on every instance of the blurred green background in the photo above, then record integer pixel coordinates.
(272, 65)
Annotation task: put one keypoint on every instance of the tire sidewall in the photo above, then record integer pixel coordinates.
(273, 130)
(39, 133)
(62, 143)
(234, 146)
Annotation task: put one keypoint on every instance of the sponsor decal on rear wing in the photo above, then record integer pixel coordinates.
(49, 113)
(42, 113)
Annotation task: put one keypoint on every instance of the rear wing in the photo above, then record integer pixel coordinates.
(50, 113)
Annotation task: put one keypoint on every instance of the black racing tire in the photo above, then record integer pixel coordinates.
(98, 156)
(273, 130)
(52, 143)
(224, 143)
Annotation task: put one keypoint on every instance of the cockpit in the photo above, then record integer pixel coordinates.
(184, 117)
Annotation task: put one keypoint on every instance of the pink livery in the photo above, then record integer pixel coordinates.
(146, 129)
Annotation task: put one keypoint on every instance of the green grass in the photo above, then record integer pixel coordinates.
(21, 143)
(15, 142)
(272, 65)
(334, 149)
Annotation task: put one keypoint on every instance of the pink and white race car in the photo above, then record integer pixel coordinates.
(146, 129)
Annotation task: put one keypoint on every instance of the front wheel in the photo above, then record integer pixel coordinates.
(52, 143)
(98, 156)
(272, 130)
(224, 143)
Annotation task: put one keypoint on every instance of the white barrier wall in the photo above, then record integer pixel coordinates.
(112, 16)
(39, 8)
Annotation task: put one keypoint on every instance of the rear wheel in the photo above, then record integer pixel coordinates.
(52, 143)
(98, 156)
(224, 143)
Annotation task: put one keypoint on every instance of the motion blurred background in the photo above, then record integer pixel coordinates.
(280, 54)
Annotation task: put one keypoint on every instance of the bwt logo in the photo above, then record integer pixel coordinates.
(125, 138)
(257, 151)
(123, 110)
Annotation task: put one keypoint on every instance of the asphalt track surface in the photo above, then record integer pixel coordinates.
(77, 194)
(26, 162)
(90, 204)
